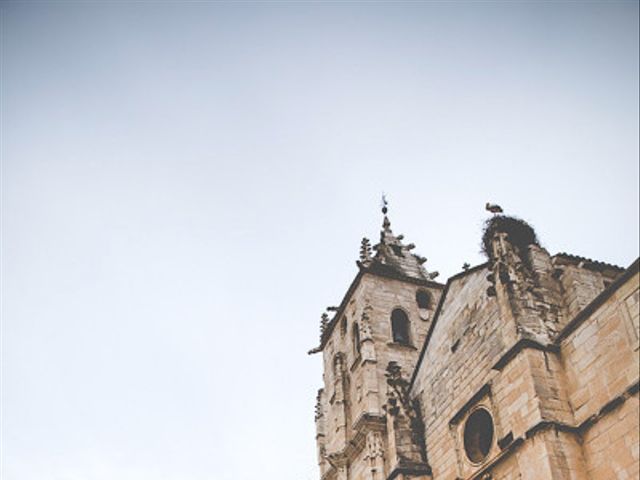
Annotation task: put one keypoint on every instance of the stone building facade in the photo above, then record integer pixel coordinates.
(524, 367)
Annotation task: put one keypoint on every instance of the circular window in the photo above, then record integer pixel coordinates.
(423, 299)
(478, 435)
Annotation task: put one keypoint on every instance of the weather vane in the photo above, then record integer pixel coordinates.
(384, 204)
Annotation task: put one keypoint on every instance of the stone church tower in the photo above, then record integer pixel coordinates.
(382, 320)
(524, 367)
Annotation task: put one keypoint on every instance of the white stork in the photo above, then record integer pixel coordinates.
(493, 208)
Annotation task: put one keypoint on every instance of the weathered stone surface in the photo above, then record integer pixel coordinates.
(551, 354)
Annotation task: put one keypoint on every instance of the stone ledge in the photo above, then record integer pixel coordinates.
(520, 345)
(410, 468)
(403, 346)
(484, 391)
(477, 475)
(607, 408)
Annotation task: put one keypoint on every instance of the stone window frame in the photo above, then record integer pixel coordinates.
(476, 409)
(482, 399)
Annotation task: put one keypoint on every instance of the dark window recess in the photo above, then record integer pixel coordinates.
(423, 299)
(478, 435)
(400, 326)
(397, 250)
(356, 338)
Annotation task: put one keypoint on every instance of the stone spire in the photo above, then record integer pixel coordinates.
(393, 256)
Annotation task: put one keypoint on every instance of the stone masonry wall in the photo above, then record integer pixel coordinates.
(579, 286)
(601, 362)
(538, 398)
(563, 412)
(465, 344)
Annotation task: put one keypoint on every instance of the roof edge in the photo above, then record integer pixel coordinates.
(602, 297)
(588, 262)
(574, 323)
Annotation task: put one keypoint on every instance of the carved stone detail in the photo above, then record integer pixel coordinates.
(406, 419)
(524, 274)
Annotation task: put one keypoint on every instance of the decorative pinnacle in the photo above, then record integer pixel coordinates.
(384, 204)
(324, 324)
(365, 250)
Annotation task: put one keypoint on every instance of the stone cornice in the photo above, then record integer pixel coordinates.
(409, 468)
(484, 390)
(520, 345)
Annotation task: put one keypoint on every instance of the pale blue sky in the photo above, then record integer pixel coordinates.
(185, 186)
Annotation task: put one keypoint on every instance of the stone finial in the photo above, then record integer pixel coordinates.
(324, 323)
(365, 250)
(384, 202)
(318, 407)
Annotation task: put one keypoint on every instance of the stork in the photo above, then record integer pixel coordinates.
(493, 208)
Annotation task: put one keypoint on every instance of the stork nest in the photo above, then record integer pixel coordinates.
(519, 233)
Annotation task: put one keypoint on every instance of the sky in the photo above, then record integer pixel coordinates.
(185, 187)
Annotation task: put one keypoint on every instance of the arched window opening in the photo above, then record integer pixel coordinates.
(400, 326)
(423, 299)
(356, 338)
(478, 435)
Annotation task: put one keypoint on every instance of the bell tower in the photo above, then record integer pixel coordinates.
(370, 346)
